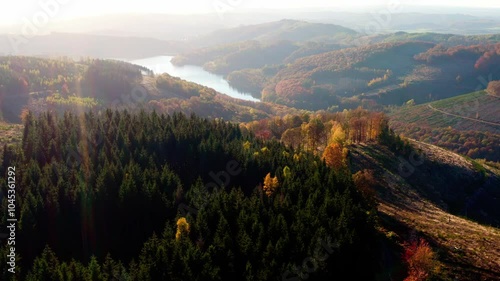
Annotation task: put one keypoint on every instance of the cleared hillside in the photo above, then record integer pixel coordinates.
(468, 124)
(476, 111)
(435, 198)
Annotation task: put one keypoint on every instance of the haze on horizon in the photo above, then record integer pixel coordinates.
(71, 9)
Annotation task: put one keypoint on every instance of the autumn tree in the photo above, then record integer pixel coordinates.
(334, 155)
(421, 260)
(182, 228)
(292, 137)
(270, 184)
(315, 132)
(376, 122)
(277, 126)
(357, 129)
(337, 134)
(292, 121)
(494, 88)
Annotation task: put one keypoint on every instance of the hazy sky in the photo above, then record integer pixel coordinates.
(17, 10)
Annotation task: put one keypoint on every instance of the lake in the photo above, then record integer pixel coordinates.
(192, 73)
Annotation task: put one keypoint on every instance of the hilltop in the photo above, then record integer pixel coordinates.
(287, 29)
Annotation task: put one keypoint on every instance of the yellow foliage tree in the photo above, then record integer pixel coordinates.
(182, 228)
(270, 184)
(337, 135)
(246, 145)
(297, 157)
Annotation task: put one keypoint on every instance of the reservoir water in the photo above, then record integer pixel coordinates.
(192, 73)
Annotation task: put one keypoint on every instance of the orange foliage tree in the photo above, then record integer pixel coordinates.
(421, 260)
(182, 228)
(334, 156)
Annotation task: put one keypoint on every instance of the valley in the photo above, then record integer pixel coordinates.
(253, 144)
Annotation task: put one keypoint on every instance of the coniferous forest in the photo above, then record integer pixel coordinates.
(120, 196)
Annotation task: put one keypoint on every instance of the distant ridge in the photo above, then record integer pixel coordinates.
(286, 29)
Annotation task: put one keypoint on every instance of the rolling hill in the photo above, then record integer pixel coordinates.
(383, 74)
(230, 57)
(349, 69)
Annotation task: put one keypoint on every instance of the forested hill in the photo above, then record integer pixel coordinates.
(346, 70)
(384, 73)
(190, 199)
(61, 84)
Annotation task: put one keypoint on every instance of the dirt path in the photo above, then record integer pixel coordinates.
(468, 118)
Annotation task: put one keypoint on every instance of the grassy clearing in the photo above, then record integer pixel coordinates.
(477, 105)
(10, 134)
(466, 248)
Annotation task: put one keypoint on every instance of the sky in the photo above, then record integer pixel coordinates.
(19, 11)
